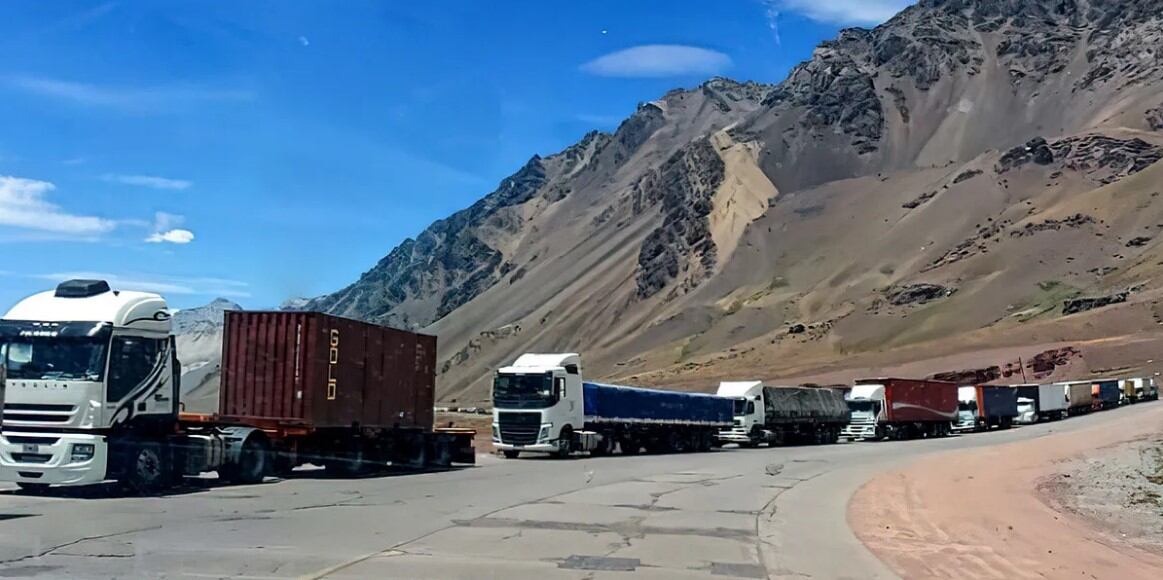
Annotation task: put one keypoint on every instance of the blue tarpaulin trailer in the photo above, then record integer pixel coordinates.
(1108, 391)
(632, 405)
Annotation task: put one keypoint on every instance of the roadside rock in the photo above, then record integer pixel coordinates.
(1155, 118)
(1035, 150)
(1076, 305)
(918, 293)
(1075, 221)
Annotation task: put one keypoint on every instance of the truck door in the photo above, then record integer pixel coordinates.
(141, 378)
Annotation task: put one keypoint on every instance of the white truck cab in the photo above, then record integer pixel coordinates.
(87, 367)
(866, 402)
(966, 409)
(748, 414)
(538, 405)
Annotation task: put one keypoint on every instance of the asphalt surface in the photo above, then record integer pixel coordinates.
(732, 513)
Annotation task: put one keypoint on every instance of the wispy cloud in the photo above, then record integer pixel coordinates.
(659, 60)
(23, 204)
(165, 230)
(130, 99)
(162, 284)
(600, 120)
(147, 181)
(841, 12)
(771, 12)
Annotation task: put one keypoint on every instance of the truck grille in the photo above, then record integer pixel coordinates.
(519, 428)
(31, 457)
(30, 413)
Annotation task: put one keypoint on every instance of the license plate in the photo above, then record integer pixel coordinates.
(31, 448)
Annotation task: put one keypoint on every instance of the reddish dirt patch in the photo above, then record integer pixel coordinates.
(980, 514)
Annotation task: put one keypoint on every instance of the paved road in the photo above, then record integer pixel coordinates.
(756, 513)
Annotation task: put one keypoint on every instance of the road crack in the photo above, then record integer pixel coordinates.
(79, 541)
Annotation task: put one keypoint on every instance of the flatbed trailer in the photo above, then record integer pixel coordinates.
(353, 450)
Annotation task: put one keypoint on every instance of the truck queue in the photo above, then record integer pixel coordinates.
(541, 404)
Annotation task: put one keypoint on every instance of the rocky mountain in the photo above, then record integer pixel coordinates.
(198, 332)
(954, 174)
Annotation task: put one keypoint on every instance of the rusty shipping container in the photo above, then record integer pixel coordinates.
(326, 371)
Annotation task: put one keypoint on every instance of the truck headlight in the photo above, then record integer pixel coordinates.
(81, 452)
(496, 433)
(544, 434)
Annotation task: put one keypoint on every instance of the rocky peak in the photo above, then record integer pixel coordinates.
(203, 319)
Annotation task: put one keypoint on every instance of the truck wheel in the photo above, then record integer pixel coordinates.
(32, 488)
(146, 471)
(564, 443)
(629, 446)
(253, 463)
(350, 462)
(511, 453)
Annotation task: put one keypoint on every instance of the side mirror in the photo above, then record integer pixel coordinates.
(559, 388)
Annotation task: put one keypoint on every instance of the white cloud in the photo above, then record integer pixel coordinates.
(304, 41)
(178, 236)
(147, 181)
(162, 284)
(135, 99)
(165, 230)
(841, 12)
(23, 205)
(659, 60)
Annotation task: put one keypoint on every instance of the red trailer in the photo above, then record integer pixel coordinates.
(901, 408)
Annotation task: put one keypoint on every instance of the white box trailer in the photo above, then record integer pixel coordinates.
(1041, 403)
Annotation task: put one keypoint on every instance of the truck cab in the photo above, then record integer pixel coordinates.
(866, 402)
(87, 369)
(1027, 411)
(967, 411)
(537, 404)
(748, 414)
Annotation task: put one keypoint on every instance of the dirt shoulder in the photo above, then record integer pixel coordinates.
(1003, 511)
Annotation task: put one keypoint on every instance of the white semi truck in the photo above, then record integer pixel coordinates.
(541, 404)
(93, 396)
(92, 382)
(783, 415)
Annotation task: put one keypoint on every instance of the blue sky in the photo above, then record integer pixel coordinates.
(263, 150)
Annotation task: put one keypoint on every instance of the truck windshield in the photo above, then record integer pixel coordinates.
(55, 358)
(513, 391)
(967, 406)
(740, 406)
(862, 406)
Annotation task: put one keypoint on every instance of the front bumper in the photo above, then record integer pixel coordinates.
(536, 447)
(46, 458)
(852, 431)
(739, 435)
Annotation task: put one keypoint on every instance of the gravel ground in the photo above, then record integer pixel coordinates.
(1119, 489)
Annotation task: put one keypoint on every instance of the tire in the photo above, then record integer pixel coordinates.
(146, 470)
(32, 488)
(564, 443)
(348, 462)
(629, 446)
(511, 453)
(254, 462)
